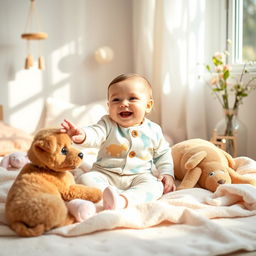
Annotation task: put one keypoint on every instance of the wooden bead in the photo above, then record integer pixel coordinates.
(41, 64)
(29, 62)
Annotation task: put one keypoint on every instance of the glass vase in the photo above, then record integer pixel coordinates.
(234, 132)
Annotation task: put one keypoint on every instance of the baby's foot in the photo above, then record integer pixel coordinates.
(112, 200)
(81, 209)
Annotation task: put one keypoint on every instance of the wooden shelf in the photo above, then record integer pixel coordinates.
(34, 36)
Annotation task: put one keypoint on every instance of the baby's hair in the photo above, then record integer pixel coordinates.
(123, 77)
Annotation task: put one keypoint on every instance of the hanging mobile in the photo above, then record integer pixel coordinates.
(30, 36)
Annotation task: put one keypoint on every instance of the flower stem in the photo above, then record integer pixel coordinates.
(229, 126)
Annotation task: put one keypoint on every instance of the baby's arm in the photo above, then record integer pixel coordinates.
(76, 134)
(164, 163)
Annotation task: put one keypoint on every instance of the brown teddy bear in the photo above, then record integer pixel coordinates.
(198, 161)
(36, 200)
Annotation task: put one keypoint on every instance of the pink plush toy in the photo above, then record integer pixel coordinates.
(81, 209)
(14, 160)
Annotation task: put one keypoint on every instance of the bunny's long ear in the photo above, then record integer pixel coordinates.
(195, 159)
(191, 178)
(231, 161)
(240, 179)
(5, 162)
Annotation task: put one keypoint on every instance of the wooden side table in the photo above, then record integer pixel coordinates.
(221, 141)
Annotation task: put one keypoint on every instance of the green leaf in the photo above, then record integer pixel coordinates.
(218, 89)
(226, 74)
(208, 68)
(216, 61)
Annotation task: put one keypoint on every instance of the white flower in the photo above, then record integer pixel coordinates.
(227, 67)
(219, 68)
(214, 80)
(229, 41)
(219, 55)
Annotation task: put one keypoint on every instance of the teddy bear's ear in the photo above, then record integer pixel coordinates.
(48, 144)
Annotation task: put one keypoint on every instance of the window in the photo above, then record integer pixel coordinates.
(242, 30)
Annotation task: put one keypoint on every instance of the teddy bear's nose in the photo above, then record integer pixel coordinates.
(221, 181)
(81, 155)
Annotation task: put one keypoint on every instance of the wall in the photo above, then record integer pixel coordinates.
(76, 29)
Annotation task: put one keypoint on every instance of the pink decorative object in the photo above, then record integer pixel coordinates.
(15, 160)
(81, 209)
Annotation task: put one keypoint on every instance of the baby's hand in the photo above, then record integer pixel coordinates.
(168, 182)
(76, 134)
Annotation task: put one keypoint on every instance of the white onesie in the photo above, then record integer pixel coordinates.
(127, 157)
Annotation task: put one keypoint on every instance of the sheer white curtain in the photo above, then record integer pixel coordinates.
(169, 42)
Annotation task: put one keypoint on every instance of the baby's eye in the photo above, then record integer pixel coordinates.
(64, 151)
(115, 100)
(133, 98)
(211, 173)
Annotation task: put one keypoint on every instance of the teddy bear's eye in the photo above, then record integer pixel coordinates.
(64, 151)
(211, 173)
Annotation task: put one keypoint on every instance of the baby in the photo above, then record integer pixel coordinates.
(130, 146)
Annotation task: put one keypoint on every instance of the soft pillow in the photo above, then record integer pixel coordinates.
(13, 139)
(56, 110)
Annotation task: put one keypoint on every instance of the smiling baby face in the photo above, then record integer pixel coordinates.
(129, 101)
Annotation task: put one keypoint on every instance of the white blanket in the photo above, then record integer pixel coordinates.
(187, 222)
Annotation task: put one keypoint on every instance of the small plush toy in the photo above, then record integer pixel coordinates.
(81, 209)
(37, 200)
(15, 160)
(198, 161)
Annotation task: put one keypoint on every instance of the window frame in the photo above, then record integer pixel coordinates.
(235, 19)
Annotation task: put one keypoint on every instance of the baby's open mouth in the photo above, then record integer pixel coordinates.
(125, 114)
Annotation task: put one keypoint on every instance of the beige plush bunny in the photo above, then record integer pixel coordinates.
(198, 161)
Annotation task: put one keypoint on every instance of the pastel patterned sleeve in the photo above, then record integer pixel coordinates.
(97, 133)
(162, 156)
